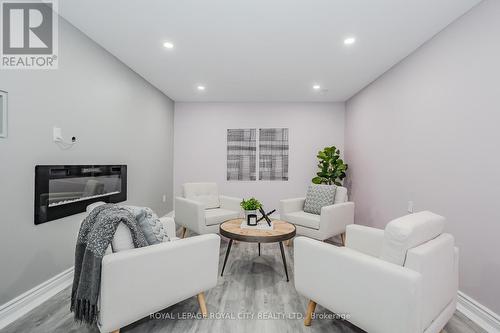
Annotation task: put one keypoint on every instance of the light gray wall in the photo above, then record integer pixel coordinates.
(428, 131)
(200, 143)
(117, 117)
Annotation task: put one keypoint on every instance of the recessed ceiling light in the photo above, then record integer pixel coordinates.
(349, 41)
(201, 88)
(316, 87)
(168, 45)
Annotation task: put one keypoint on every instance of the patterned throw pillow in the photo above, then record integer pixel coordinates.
(319, 196)
(150, 224)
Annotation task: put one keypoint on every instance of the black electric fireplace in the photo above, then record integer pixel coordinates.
(63, 190)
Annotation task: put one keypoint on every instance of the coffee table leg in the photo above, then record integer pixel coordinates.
(284, 260)
(259, 249)
(227, 255)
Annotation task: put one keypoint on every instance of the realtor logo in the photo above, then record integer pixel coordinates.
(29, 35)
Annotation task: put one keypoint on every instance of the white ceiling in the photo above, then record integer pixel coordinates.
(261, 50)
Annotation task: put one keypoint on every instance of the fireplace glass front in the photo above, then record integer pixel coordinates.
(66, 190)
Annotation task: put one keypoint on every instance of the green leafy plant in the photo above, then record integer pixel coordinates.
(332, 168)
(250, 204)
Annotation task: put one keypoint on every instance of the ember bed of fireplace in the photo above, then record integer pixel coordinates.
(63, 190)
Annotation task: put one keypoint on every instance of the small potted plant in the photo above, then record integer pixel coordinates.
(250, 206)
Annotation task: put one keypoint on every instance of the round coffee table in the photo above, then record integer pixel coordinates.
(282, 231)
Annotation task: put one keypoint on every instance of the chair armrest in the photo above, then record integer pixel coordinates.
(169, 225)
(189, 214)
(335, 218)
(365, 239)
(291, 205)
(142, 281)
(352, 283)
(231, 203)
(436, 261)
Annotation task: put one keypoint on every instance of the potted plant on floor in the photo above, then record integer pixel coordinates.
(250, 206)
(332, 169)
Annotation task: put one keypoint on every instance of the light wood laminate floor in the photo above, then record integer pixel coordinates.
(251, 285)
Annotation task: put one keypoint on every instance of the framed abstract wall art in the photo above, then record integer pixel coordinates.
(273, 154)
(241, 154)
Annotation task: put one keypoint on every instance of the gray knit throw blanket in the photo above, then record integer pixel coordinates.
(95, 235)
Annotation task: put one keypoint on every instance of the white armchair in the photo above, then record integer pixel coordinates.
(332, 221)
(139, 281)
(401, 280)
(202, 209)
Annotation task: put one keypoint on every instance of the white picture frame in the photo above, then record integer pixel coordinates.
(3, 114)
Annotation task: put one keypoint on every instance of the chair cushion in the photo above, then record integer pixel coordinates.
(218, 215)
(150, 224)
(318, 196)
(205, 193)
(304, 219)
(340, 194)
(122, 239)
(407, 232)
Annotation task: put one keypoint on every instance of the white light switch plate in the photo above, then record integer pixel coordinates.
(57, 134)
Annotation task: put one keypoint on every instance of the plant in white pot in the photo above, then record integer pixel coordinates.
(250, 206)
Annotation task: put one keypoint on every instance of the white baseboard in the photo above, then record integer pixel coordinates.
(478, 313)
(29, 300)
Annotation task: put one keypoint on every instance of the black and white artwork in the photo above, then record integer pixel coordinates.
(241, 154)
(273, 154)
(3, 114)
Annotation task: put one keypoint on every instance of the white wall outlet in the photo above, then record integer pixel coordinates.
(57, 134)
(410, 206)
(164, 198)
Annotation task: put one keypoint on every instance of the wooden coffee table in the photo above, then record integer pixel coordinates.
(282, 231)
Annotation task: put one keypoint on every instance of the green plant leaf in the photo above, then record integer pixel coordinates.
(250, 204)
(316, 180)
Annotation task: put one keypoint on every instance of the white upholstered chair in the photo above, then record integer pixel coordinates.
(137, 282)
(202, 209)
(401, 280)
(332, 221)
